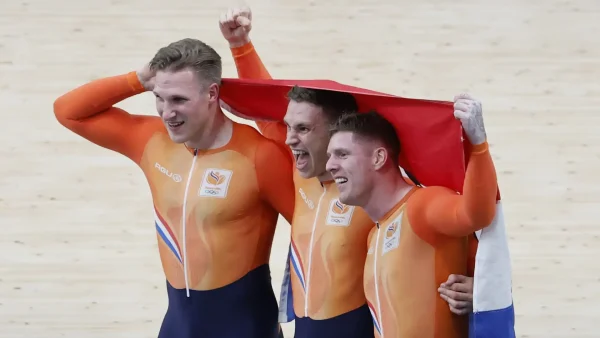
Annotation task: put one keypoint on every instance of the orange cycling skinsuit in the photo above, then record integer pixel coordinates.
(215, 211)
(417, 244)
(328, 246)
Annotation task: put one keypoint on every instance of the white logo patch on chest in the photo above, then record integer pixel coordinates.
(215, 183)
(391, 237)
(339, 214)
(167, 172)
(307, 200)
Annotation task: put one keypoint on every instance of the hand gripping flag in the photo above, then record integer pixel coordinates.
(433, 153)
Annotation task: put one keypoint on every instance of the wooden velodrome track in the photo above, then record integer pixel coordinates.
(78, 252)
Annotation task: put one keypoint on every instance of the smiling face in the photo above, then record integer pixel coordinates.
(186, 86)
(363, 153)
(183, 103)
(307, 137)
(352, 163)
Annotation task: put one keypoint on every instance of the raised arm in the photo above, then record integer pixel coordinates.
(88, 111)
(236, 26)
(443, 211)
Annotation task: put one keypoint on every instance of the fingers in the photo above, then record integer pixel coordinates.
(462, 109)
(223, 19)
(458, 307)
(457, 304)
(227, 19)
(454, 279)
(243, 21)
(461, 115)
(245, 12)
(236, 17)
(457, 294)
(463, 288)
(463, 96)
(231, 22)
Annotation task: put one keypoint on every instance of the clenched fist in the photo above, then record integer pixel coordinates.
(235, 26)
(468, 111)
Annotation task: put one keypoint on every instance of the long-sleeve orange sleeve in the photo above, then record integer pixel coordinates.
(250, 66)
(441, 210)
(88, 111)
(274, 174)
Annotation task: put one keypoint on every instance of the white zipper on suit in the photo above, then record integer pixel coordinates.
(183, 225)
(376, 253)
(310, 251)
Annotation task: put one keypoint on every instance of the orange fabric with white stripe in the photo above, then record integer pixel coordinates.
(414, 248)
(225, 226)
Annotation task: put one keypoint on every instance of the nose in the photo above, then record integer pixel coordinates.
(332, 166)
(167, 112)
(291, 138)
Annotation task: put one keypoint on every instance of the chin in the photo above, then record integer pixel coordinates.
(345, 199)
(303, 174)
(349, 199)
(306, 174)
(179, 138)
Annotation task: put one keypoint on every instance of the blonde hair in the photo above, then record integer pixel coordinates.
(189, 53)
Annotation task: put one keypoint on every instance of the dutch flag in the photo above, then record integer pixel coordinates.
(493, 311)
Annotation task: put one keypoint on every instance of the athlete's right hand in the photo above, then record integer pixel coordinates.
(146, 77)
(235, 26)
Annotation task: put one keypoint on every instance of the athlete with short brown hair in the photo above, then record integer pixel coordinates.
(421, 234)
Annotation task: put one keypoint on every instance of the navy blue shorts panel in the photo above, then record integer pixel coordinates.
(246, 308)
(357, 323)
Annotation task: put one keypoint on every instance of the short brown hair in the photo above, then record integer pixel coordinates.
(334, 103)
(372, 126)
(189, 53)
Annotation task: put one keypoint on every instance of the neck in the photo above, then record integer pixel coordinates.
(215, 134)
(387, 193)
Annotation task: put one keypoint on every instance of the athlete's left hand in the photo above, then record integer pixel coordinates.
(457, 291)
(468, 111)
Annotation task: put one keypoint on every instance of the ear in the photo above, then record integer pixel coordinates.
(213, 93)
(380, 155)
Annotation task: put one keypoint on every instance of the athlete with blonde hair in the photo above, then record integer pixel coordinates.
(217, 188)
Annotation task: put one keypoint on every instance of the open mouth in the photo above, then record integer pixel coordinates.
(298, 153)
(174, 124)
(341, 180)
(301, 157)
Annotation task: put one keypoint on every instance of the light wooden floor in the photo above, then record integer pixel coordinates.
(78, 255)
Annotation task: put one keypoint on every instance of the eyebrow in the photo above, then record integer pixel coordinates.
(298, 124)
(341, 150)
(174, 96)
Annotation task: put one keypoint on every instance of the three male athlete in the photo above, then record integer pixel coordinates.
(421, 233)
(217, 188)
(329, 239)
